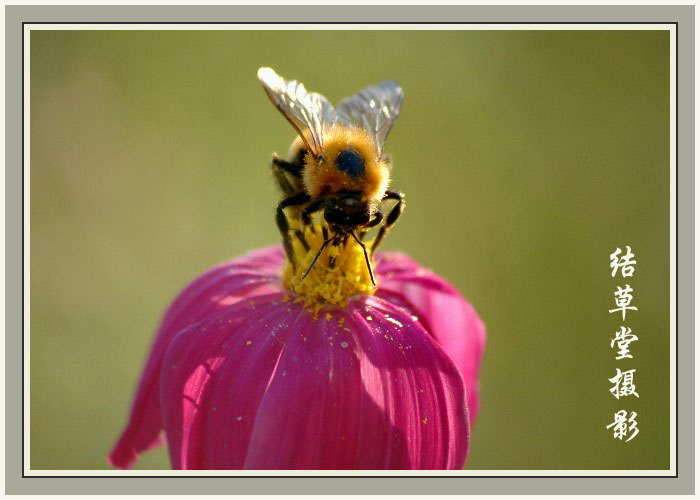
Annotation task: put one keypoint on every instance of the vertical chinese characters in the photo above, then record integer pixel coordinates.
(623, 425)
(623, 384)
(624, 338)
(623, 298)
(626, 263)
(623, 381)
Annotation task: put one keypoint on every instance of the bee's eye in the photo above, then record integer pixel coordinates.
(351, 163)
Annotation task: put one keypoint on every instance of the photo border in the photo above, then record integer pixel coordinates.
(683, 16)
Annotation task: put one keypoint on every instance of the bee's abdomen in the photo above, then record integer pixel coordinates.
(351, 163)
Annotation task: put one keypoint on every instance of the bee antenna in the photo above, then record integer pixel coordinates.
(320, 250)
(364, 249)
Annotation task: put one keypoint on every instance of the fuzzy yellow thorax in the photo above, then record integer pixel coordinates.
(327, 286)
(325, 176)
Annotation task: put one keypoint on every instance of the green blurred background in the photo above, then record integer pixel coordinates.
(526, 157)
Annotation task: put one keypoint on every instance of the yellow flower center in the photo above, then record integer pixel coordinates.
(339, 272)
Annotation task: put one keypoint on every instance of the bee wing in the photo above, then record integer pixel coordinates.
(308, 112)
(374, 109)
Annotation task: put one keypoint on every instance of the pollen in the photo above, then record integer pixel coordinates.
(339, 273)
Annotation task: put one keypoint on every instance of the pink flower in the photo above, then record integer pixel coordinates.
(242, 377)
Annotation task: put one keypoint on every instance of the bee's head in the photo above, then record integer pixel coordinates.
(347, 209)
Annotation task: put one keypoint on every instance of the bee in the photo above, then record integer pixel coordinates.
(337, 163)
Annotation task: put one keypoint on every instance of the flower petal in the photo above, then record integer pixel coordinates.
(253, 382)
(409, 376)
(277, 389)
(252, 274)
(229, 342)
(444, 313)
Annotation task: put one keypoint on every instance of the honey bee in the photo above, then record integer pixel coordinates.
(337, 163)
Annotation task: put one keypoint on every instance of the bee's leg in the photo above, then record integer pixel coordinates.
(314, 206)
(283, 223)
(378, 217)
(299, 233)
(331, 259)
(296, 169)
(280, 169)
(306, 214)
(320, 250)
(369, 264)
(391, 218)
(337, 242)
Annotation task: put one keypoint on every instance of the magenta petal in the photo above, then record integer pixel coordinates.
(445, 314)
(228, 343)
(410, 379)
(251, 274)
(239, 378)
(269, 387)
